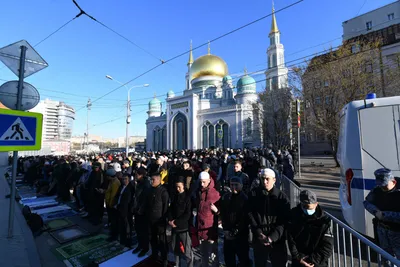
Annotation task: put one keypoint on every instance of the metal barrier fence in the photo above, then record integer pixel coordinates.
(350, 247)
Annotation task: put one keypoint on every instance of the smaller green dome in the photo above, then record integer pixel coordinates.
(155, 104)
(226, 79)
(170, 94)
(246, 85)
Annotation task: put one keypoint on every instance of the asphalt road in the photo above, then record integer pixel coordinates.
(320, 175)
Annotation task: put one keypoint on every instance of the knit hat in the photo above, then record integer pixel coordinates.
(117, 167)
(267, 172)
(111, 172)
(204, 176)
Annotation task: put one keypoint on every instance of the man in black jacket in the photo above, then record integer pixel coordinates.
(179, 214)
(269, 210)
(309, 235)
(156, 215)
(138, 210)
(235, 225)
(123, 204)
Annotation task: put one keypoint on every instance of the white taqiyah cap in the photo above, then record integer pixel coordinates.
(267, 172)
(204, 176)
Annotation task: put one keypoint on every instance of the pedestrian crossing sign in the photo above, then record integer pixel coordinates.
(20, 130)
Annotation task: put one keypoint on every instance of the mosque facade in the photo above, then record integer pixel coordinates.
(213, 111)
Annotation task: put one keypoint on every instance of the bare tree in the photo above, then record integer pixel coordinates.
(332, 80)
(276, 123)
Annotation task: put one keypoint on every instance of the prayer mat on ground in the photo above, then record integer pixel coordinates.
(59, 224)
(125, 259)
(80, 246)
(96, 255)
(57, 215)
(43, 206)
(27, 195)
(52, 209)
(27, 201)
(68, 234)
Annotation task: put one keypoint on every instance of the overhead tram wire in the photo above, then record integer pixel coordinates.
(52, 33)
(115, 32)
(184, 53)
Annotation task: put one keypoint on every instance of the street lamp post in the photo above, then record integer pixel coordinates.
(128, 109)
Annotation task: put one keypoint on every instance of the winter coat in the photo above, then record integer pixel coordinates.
(111, 193)
(157, 206)
(269, 211)
(388, 203)
(142, 189)
(207, 230)
(310, 236)
(233, 207)
(180, 211)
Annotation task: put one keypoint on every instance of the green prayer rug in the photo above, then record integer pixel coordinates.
(80, 246)
(96, 255)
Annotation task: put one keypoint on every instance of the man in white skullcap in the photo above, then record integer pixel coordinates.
(269, 210)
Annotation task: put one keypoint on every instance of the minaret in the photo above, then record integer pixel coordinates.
(276, 74)
(189, 64)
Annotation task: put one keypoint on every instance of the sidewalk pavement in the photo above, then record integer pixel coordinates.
(20, 250)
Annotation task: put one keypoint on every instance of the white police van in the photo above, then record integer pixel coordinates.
(368, 140)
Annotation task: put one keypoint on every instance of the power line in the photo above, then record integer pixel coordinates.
(184, 53)
(365, 1)
(57, 30)
(115, 32)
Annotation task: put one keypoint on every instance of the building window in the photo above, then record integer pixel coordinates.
(368, 67)
(211, 135)
(355, 48)
(318, 100)
(327, 100)
(326, 83)
(369, 25)
(274, 82)
(272, 40)
(205, 136)
(249, 127)
(273, 60)
(317, 84)
(391, 16)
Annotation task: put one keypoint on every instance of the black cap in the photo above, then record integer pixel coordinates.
(206, 166)
(308, 197)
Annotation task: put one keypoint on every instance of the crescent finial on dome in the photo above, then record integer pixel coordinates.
(209, 49)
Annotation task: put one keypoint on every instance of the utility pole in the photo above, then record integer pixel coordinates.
(89, 105)
(128, 120)
(298, 132)
(15, 153)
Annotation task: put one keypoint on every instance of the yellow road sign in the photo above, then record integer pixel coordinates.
(20, 130)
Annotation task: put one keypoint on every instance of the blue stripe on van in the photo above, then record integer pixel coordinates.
(364, 184)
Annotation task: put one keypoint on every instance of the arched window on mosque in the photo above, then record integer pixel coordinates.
(205, 136)
(156, 139)
(222, 134)
(273, 60)
(249, 127)
(211, 139)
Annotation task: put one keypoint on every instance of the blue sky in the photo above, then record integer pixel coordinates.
(82, 53)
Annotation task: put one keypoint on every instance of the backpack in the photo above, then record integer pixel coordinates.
(35, 222)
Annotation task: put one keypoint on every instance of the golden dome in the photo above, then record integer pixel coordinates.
(208, 65)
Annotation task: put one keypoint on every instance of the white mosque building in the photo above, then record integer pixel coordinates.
(213, 112)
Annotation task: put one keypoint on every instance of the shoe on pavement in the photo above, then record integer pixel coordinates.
(136, 250)
(143, 253)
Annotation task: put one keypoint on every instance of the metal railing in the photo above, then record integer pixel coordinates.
(350, 248)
